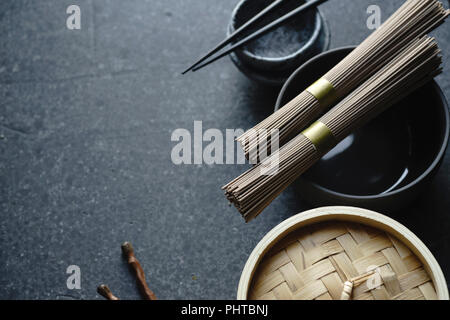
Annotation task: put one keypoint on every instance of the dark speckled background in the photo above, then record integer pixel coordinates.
(85, 124)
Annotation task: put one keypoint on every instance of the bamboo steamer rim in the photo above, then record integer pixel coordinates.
(352, 214)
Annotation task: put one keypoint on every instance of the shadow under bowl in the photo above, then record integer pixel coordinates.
(271, 58)
(384, 164)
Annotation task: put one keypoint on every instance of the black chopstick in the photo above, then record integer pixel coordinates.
(236, 33)
(263, 31)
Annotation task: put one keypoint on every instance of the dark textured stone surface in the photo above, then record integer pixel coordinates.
(85, 124)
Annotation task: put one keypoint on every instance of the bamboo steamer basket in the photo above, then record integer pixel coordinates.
(341, 253)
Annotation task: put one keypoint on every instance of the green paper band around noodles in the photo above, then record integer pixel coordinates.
(323, 91)
(320, 136)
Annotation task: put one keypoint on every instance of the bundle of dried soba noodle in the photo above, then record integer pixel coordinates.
(412, 20)
(409, 69)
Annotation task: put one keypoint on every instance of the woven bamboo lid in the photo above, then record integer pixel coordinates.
(335, 253)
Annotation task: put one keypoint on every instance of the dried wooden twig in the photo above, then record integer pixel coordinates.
(104, 291)
(128, 252)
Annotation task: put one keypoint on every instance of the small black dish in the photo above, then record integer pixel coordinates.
(272, 58)
(386, 163)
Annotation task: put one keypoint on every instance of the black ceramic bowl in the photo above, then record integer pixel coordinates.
(272, 58)
(386, 163)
